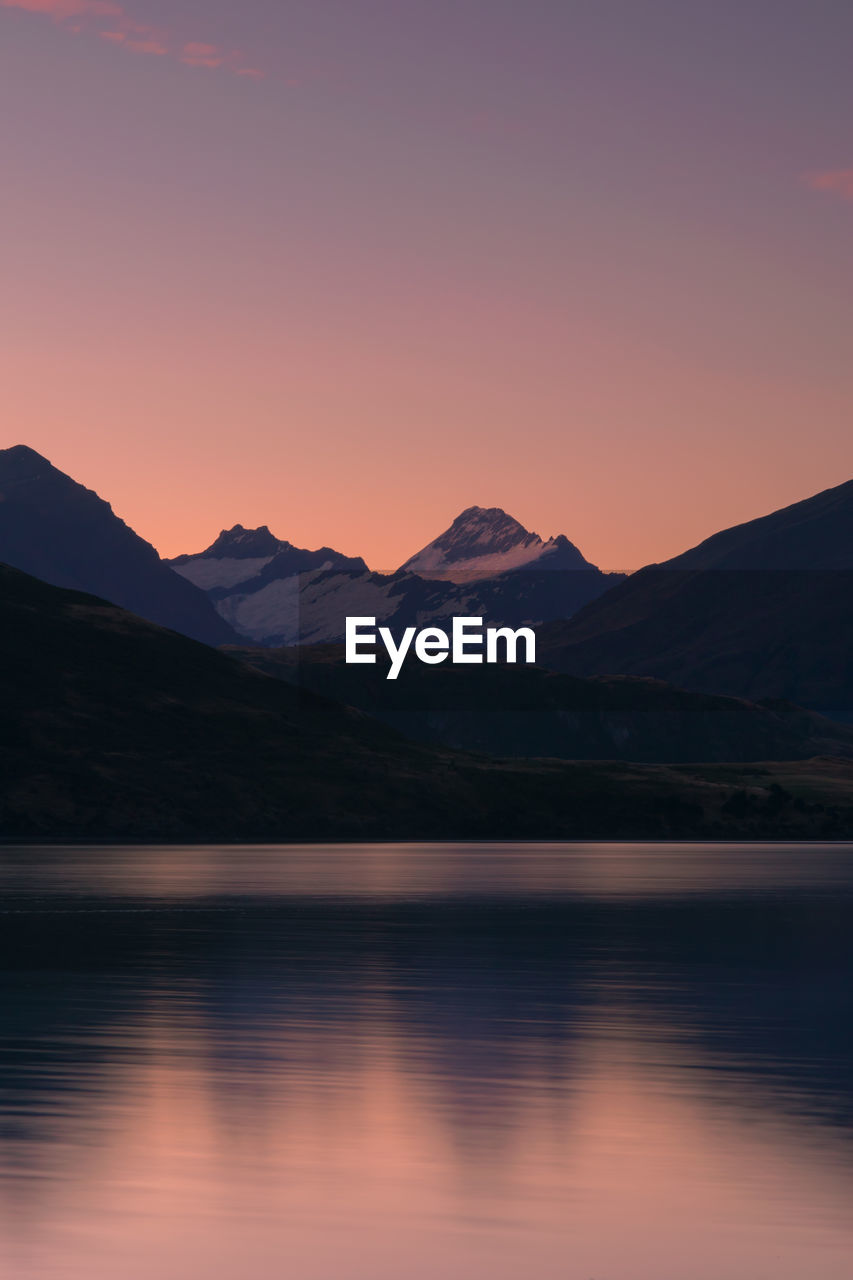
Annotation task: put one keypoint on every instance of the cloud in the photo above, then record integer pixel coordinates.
(64, 9)
(202, 55)
(137, 37)
(837, 182)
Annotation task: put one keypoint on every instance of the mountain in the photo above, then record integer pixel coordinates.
(57, 530)
(256, 558)
(484, 541)
(276, 594)
(115, 729)
(526, 711)
(809, 536)
(762, 610)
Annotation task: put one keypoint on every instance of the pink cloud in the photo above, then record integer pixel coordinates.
(138, 37)
(837, 182)
(63, 9)
(202, 55)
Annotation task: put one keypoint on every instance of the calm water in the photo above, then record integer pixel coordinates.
(612, 1062)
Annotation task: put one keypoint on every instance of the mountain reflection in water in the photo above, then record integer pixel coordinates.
(592, 1063)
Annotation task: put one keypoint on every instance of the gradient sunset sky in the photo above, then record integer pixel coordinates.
(345, 267)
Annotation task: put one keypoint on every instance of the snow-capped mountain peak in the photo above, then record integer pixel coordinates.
(485, 541)
(296, 596)
(240, 557)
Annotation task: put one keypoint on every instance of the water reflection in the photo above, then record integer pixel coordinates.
(209, 1068)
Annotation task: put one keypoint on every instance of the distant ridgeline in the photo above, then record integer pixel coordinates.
(485, 565)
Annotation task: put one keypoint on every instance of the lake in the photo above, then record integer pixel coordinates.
(413, 1062)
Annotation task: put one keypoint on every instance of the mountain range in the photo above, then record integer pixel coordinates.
(252, 586)
(761, 610)
(486, 565)
(756, 618)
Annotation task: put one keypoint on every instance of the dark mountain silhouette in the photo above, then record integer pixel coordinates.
(238, 543)
(528, 711)
(763, 610)
(813, 535)
(59, 531)
(484, 541)
(115, 729)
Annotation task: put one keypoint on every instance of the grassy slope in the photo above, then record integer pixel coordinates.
(528, 711)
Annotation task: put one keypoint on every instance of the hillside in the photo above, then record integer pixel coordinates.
(763, 610)
(57, 530)
(527, 711)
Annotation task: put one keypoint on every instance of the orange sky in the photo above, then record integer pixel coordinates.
(595, 272)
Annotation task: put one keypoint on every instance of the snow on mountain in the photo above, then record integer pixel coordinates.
(308, 608)
(227, 572)
(312, 607)
(237, 555)
(484, 541)
(240, 556)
